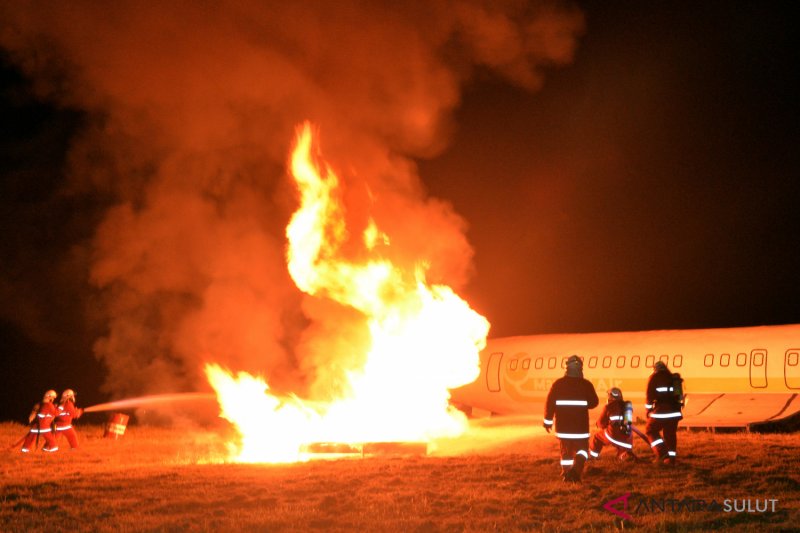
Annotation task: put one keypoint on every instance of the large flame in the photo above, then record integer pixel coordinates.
(424, 339)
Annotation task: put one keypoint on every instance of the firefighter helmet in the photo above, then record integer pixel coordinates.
(68, 394)
(575, 361)
(49, 396)
(574, 366)
(614, 394)
(660, 366)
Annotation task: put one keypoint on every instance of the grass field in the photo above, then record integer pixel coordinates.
(157, 479)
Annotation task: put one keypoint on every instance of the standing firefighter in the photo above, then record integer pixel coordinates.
(614, 425)
(664, 402)
(569, 401)
(41, 421)
(67, 412)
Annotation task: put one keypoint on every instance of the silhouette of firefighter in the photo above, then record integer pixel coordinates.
(67, 412)
(614, 427)
(663, 404)
(568, 402)
(41, 422)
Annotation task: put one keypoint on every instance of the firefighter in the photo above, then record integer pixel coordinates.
(569, 401)
(614, 425)
(663, 406)
(67, 412)
(41, 421)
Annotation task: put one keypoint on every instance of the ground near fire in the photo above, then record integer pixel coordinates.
(155, 479)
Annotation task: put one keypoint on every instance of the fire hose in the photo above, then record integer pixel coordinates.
(20, 441)
(134, 402)
(642, 435)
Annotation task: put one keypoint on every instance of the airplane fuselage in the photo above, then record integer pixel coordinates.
(733, 376)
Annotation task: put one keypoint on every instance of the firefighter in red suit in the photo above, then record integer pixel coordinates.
(568, 402)
(67, 412)
(663, 414)
(41, 421)
(613, 429)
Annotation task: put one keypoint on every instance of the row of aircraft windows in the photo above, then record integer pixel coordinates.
(620, 361)
(740, 359)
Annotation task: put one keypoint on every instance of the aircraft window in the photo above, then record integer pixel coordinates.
(526, 364)
(709, 359)
(664, 359)
(792, 360)
(564, 362)
(620, 361)
(607, 361)
(635, 361)
(677, 361)
(513, 364)
(758, 358)
(551, 362)
(539, 363)
(725, 359)
(741, 359)
(593, 361)
(650, 361)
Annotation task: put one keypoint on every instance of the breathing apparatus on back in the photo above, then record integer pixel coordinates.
(677, 388)
(627, 417)
(615, 394)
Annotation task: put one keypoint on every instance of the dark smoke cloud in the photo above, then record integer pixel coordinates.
(190, 113)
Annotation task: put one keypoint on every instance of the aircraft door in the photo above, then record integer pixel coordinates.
(493, 372)
(758, 369)
(791, 368)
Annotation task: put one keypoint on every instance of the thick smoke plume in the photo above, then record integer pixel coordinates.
(192, 108)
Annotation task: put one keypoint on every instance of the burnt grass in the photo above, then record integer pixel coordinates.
(161, 479)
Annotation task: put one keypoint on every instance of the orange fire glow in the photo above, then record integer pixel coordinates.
(424, 339)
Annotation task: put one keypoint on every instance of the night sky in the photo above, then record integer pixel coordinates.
(651, 182)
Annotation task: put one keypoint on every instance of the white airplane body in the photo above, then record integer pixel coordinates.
(733, 377)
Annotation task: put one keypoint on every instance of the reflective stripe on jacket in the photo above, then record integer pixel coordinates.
(66, 413)
(569, 401)
(611, 419)
(44, 416)
(661, 401)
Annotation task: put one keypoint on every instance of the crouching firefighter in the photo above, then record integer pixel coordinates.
(568, 402)
(664, 403)
(67, 412)
(41, 422)
(614, 427)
